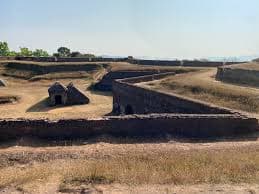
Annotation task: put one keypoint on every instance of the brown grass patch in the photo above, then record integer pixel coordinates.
(248, 66)
(226, 95)
(197, 167)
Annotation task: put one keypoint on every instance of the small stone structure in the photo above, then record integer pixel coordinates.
(70, 95)
(2, 83)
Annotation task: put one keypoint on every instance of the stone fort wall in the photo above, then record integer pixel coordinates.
(193, 125)
(128, 97)
(105, 84)
(186, 63)
(238, 76)
(43, 69)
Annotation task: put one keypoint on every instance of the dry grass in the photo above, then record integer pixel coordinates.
(198, 86)
(191, 168)
(134, 67)
(248, 66)
(165, 168)
(30, 70)
(62, 75)
(23, 74)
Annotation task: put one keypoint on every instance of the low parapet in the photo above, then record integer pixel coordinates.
(187, 125)
(130, 98)
(144, 100)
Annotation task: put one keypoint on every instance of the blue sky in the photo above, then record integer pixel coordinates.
(154, 28)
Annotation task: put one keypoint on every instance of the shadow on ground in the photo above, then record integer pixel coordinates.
(98, 92)
(37, 142)
(41, 106)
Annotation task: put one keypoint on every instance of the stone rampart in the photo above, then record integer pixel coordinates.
(105, 84)
(69, 59)
(238, 76)
(2, 58)
(185, 63)
(193, 125)
(43, 69)
(132, 99)
(156, 62)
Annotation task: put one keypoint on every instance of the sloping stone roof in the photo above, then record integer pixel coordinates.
(75, 96)
(57, 87)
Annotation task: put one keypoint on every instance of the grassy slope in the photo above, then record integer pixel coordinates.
(248, 66)
(201, 86)
(34, 75)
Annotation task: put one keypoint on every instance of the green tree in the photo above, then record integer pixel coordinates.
(25, 52)
(12, 54)
(88, 55)
(4, 49)
(75, 54)
(40, 53)
(78, 54)
(56, 55)
(64, 51)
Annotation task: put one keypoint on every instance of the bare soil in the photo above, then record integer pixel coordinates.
(33, 102)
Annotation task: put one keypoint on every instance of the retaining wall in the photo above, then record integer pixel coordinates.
(202, 64)
(6, 58)
(239, 76)
(105, 84)
(201, 126)
(69, 59)
(139, 100)
(43, 69)
(156, 62)
(186, 63)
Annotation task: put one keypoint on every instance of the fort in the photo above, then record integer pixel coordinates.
(140, 111)
(185, 63)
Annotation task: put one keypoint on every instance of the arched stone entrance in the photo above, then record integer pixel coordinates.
(58, 100)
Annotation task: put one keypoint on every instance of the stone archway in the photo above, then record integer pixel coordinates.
(58, 100)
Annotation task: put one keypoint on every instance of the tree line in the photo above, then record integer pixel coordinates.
(26, 52)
